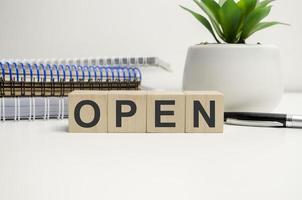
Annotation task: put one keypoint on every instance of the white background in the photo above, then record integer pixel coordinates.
(84, 28)
(41, 161)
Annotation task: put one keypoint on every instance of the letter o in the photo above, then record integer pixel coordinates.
(97, 114)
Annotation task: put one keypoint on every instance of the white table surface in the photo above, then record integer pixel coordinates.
(40, 160)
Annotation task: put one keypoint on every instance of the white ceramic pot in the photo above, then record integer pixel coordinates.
(249, 75)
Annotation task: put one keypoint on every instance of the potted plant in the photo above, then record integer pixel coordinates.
(249, 75)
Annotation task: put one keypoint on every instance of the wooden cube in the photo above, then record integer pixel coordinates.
(165, 112)
(127, 111)
(87, 111)
(204, 112)
(139, 111)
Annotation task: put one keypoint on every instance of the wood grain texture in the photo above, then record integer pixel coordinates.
(205, 98)
(87, 113)
(122, 111)
(136, 123)
(170, 118)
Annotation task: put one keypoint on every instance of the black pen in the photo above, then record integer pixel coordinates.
(263, 119)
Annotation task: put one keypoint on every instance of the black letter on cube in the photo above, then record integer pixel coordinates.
(210, 120)
(120, 114)
(159, 112)
(96, 118)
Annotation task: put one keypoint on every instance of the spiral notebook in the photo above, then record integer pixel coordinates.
(19, 79)
(37, 89)
(31, 108)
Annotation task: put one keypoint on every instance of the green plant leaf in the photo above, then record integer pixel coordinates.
(230, 15)
(211, 16)
(214, 8)
(253, 19)
(264, 3)
(221, 2)
(203, 21)
(247, 6)
(233, 20)
(263, 25)
(207, 10)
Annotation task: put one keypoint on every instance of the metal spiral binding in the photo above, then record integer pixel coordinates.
(25, 79)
